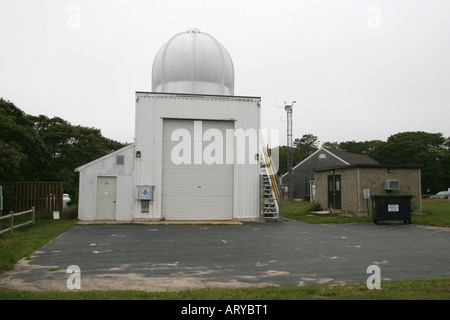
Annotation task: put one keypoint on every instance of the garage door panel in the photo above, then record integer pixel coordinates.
(195, 191)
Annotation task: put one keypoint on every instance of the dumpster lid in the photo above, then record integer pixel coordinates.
(392, 196)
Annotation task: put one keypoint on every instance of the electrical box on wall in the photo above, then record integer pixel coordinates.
(145, 192)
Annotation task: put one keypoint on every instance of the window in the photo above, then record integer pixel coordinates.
(330, 185)
(338, 185)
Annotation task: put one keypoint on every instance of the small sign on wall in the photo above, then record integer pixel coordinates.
(393, 208)
(145, 192)
(366, 193)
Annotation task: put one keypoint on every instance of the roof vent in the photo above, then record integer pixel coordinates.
(120, 160)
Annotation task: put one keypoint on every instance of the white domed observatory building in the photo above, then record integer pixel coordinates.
(196, 154)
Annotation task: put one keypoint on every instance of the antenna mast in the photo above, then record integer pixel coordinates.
(288, 109)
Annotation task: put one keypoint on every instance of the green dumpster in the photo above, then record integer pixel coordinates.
(391, 207)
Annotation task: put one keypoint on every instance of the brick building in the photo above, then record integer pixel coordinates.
(342, 188)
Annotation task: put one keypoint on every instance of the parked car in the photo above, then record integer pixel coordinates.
(441, 195)
(66, 199)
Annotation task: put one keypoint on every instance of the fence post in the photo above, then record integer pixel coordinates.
(33, 214)
(11, 221)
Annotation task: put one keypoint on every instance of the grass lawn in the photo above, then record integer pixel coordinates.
(26, 240)
(435, 289)
(301, 211)
(435, 213)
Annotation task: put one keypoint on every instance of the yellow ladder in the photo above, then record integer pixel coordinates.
(270, 193)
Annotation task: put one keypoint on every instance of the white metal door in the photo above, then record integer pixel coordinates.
(197, 188)
(106, 198)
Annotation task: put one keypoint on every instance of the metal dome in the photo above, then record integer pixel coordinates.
(193, 62)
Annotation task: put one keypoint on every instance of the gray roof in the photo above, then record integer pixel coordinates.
(352, 158)
(373, 166)
(346, 158)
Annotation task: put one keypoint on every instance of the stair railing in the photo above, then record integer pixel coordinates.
(271, 174)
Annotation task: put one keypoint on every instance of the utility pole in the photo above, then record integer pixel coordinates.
(288, 109)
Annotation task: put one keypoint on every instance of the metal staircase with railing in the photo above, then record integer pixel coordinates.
(270, 193)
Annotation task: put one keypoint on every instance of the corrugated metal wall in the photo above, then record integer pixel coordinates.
(107, 167)
(153, 108)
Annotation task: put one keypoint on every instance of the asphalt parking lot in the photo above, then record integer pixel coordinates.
(291, 253)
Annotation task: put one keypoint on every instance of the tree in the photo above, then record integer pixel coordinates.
(430, 150)
(22, 151)
(331, 145)
(70, 147)
(307, 145)
(366, 148)
(38, 148)
(303, 148)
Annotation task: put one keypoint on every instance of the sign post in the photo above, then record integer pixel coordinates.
(367, 196)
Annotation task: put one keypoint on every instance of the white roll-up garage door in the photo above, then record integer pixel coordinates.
(197, 179)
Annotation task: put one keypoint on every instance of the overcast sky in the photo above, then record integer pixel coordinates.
(359, 70)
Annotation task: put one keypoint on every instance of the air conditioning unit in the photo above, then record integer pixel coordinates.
(391, 184)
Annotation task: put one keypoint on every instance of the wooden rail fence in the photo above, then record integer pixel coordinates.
(11, 216)
(45, 197)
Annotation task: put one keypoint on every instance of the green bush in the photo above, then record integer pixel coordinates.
(314, 206)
